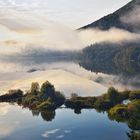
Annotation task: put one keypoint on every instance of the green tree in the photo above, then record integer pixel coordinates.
(35, 88)
(113, 94)
(47, 89)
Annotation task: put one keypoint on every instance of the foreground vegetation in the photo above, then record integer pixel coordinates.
(42, 98)
(36, 98)
(113, 103)
(104, 102)
(45, 99)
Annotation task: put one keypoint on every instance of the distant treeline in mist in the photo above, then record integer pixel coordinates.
(38, 56)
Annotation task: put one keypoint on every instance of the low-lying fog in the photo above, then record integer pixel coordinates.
(26, 37)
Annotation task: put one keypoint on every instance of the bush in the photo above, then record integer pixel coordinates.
(101, 104)
(12, 95)
(46, 98)
(134, 94)
(134, 135)
(80, 102)
(119, 112)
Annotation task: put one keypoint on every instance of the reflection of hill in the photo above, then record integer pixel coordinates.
(112, 58)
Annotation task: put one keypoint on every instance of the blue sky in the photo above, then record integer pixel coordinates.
(73, 13)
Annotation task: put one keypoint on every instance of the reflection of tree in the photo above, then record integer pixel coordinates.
(77, 111)
(134, 135)
(48, 115)
(35, 112)
(134, 123)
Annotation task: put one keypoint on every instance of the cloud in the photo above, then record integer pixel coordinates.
(23, 30)
(60, 137)
(7, 127)
(67, 131)
(50, 132)
(113, 35)
(21, 5)
(5, 130)
(4, 109)
(26, 33)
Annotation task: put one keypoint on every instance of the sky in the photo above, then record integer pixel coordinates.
(51, 24)
(72, 13)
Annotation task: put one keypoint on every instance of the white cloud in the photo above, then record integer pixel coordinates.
(5, 130)
(4, 109)
(60, 137)
(50, 132)
(23, 30)
(91, 36)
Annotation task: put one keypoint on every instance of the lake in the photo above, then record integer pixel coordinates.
(68, 77)
(40, 41)
(17, 123)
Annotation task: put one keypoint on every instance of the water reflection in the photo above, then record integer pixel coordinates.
(133, 123)
(134, 135)
(21, 69)
(62, 123)
(47, 115)
(121, 63)
(65, 76)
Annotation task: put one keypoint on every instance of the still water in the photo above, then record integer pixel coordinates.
(17, 123)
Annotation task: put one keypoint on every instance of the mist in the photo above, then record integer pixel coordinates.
(132, 17)
(113, 35)
(20, 31)
(30, 38)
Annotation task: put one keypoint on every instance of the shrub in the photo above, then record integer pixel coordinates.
(119, 112)
(134, 94)
(12, 95)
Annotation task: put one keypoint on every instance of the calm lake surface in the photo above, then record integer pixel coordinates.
(17, 123)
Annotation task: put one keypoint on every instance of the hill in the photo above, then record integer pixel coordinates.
(126, 18)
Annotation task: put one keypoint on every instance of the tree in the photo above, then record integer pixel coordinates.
(17, 92)
(112, 94)
(74, 95)
(35, 88)
(47, 89)
(134, 95)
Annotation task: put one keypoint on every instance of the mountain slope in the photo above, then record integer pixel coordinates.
(115, 19)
